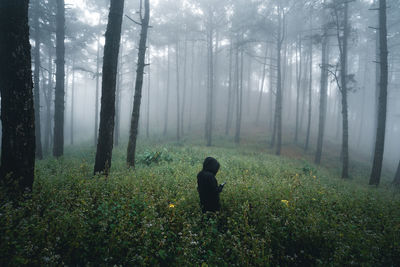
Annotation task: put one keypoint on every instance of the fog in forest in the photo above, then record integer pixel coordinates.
(243, 50)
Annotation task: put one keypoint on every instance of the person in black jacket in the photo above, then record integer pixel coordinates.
(208, 187)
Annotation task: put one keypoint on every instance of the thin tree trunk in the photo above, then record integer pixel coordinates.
(210, 99)
(118, 97)
(230, 93)
(184, 89)
(262, 85)
(167, 98)
(49, 98)
(38, 136)
(108, 85)
(72, 102)
(345, 129)
(191, 88)
(309, 98)
(298, 84)
(323, 95)
(96, 116)
(239, 98)
(178, 120)
(380, 133)
(17, 107)
(58, 147)
(148, 99)
(138, 86)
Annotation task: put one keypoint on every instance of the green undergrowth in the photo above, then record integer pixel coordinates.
(275, 211)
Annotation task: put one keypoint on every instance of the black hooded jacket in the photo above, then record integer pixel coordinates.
(207, 185)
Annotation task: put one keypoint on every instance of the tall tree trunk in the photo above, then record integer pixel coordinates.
(191, 88)
(309, 97)
(298, 84)
(167, 97)
(148, 99)
(49, 100)
(17, 110)
(262, 85)
(210, 76)
(72, 102)
(343, 77)
(108, 84)
(230, 93)
(278, 105)
(380, 133)
(396, 180)
(184, 89)
(239, 101)
(323, 95)
(58, 147)
(38, 136)
(118, 98)
(96, 110)
(138, 86)
(178, 120)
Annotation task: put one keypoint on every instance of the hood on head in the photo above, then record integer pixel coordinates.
(211, 165)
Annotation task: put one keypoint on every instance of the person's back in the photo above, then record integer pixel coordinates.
(207, 185)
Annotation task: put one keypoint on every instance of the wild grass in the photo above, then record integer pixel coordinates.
(275, 211)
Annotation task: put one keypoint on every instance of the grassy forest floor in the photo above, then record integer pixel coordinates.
(275, 211)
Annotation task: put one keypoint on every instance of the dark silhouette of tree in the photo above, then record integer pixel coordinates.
(144, 21)
(58, 146)
(17, 110)
(382, 104)
(107, 110)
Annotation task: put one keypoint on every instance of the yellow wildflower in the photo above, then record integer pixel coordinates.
(284, 201)
(171, 205)
(315, 177)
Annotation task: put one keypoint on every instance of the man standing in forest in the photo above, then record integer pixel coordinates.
(208, 187)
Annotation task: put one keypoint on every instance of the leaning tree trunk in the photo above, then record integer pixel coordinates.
(138, 86)
(323, 96)
(58, 146)
(380, 133)
(108, 84)
(39, 152)
(17, 111)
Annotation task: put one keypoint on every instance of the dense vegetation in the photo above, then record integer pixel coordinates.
(275, 210)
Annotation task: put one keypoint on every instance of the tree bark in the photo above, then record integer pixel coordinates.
(118, 98)
(107, 110)
(58, 146)
(138, 86)
(148, 99)
(17, 110)
(380, 133)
